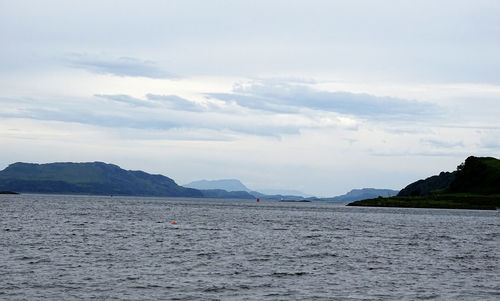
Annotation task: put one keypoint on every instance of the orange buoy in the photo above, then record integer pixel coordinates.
(174, 223)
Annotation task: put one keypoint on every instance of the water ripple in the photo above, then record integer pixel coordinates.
(86, 247)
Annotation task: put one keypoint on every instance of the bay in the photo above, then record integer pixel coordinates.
(56, 247)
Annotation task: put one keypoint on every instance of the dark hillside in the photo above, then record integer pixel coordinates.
(88, 178)
(477, 175)
(429, 185)
(474, 185)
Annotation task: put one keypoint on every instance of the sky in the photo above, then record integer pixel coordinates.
(316, 96)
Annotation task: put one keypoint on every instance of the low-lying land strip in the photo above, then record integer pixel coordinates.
(445, 201)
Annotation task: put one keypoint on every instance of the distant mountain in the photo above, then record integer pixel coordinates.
(225, 184)
(88, 178)
(233, 185)
(361, 194)
(223, 194)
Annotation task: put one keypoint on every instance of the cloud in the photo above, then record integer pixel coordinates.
(101, 118)
(171, 102)
(175, 102)
(410, 154)
(122, 98)
(258, 108)
(138, 114)
(90, 111)
(491, 141)
(121, 66)
(292, 98)
(443, 143)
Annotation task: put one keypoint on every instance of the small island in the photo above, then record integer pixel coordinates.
(8, 192)
(474, 185)
(296, 201)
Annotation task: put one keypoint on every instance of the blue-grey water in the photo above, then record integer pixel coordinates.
(105, 248)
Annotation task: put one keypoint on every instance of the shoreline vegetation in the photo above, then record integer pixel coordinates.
(439, 201)
(474, 185)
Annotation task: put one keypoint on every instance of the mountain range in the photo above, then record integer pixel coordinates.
(107, 179)
(236, 185)
(361, 194)
(88, 178)
(225, 184)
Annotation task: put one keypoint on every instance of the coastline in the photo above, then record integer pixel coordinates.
(8, 192)
(441, 201)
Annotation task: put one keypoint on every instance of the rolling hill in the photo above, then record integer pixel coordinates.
(88, 178)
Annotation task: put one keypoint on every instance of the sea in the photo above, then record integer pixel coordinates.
(60, 247)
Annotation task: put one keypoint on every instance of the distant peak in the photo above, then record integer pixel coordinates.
(225, 184)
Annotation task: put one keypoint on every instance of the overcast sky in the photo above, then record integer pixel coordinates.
(317, 96)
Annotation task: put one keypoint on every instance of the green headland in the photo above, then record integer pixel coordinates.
(474, 185)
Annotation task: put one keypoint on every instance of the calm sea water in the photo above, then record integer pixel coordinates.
(81, 247)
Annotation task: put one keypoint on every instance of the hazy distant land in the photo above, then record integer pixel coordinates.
(100, 178)
(474, 185)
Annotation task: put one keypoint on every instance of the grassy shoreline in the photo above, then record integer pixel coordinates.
(443, 201)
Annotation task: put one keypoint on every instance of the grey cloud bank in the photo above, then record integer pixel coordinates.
(287, 98)
(127, 99)
(251, 100)
(124, 111)
(121, 66)
(449, 41)
(176, 103)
